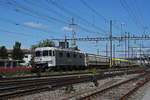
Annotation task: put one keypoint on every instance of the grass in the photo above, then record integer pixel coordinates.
(93, 70)
(29, 73)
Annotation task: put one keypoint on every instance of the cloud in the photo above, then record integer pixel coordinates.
(34, 25)
(66, 28)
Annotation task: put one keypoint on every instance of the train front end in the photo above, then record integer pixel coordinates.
(44, 58)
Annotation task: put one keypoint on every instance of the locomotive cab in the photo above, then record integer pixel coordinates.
(44, 58)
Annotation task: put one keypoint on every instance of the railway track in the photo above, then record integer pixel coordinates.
(99, 75)
(134, 90)
(14, 91)
(73, 96)
(120, 91)
(44, 76)
(15, 88)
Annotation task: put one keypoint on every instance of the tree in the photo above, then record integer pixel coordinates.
(44, 43)
(3, 52)
(17, 53)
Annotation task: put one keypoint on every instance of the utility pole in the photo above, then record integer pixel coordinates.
(107, 53)
(132, 53)
(73, 34)
(121, 29)
(114, 53)
(128, 45)
(110, 37)
(66, 42)
(125, 46)
(97, 47)
(140, 53)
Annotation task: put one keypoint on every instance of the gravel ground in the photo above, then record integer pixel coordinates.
(60, 93)
(142, 93)
(112, 95)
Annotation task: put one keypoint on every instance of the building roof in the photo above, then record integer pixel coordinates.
(24, 51)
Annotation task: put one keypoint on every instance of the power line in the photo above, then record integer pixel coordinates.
(45, 7)
(18, 24)
(60, 15)
(41, 16)
(139, 13)
(73, 14)
(35, 13)
(17, 33)
(97, 13)
(93, 10)
(131, 13)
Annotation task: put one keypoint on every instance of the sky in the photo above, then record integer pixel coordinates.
(31, 21)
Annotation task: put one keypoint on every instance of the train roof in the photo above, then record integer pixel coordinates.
(120, 59)
(58, 48)
(97, 55)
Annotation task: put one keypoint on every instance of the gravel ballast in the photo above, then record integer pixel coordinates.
(63, 94)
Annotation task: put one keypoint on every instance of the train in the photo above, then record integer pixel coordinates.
(48, 58)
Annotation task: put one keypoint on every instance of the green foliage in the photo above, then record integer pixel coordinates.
(44, 43)
(17, 53)
(3, 53)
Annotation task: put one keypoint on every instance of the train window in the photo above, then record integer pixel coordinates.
(26, 56)
(68, 54)
(45, 53)
(53, 53)
(50, 52)
(80, 56)
(60, 54)
(37, 53)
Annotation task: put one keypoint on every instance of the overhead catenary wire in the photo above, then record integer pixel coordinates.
(45, 7)
(87, 23)
(93, 10)
(41, 16)
(25, 26)
(66, 18)
(15, 33)
(106, 20)
(131, 13)
(138, 11)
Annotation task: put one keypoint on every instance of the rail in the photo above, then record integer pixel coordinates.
(9, 90)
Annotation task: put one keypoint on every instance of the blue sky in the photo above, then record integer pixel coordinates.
(30, 21)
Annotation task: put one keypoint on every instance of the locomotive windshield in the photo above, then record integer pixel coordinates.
(38, 53)
(45, 53)
(50, 53)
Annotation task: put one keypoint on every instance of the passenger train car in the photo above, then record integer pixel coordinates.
(47, 58)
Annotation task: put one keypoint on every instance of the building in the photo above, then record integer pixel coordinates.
(9, 63)
(26, 59)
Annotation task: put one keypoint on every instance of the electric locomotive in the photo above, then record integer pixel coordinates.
(47, 58)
